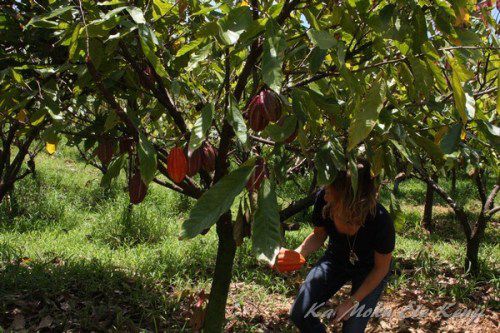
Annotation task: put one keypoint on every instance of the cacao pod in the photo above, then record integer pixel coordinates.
(272, 105)
(177, 165)
(260, 172)
(126, 145)
(209, 153)
(136, 188)
(256, 114)
(289, 261)
(105, 150)
(195, 162)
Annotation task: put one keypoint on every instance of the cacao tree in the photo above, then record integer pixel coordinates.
(30, 93)
(225, 101)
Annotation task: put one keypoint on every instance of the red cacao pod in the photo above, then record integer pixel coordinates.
(256, 118)
(105, 150)
(195, 162)
(136, 188)
(272, 105)
(177, 164)
(260, 172)
(209, 154)
(126, 145)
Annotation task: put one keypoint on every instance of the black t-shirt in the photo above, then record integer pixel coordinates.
(377, 234)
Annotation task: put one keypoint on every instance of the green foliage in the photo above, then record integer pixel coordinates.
(214, 202)
(266, 235)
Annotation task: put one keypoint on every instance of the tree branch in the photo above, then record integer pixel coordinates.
(130, 126)
(160, 91)
(297, 206)
(490, 201)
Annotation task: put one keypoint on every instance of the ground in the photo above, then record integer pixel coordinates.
(73, 257)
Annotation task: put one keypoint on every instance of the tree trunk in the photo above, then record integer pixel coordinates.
(471, 259)
(3, 191)
(453, 180)
(216, 308)
(429, 202)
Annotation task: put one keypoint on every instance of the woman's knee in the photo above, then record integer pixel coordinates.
(297, 315)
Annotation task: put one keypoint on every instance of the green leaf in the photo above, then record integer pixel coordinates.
(365, 117)
(459, 96)
(280, 133)
(316, 59)
(490, 131)
(234, 24)
(353, 167)
(147, 159)
(186, 48)
(137, 15)
(450, 141)
(322, 39)
(272, 58)
(160, 8)
(438, 75)
(429, 146)
(111, 121)
(74, 42)
(396, 213)
(201, 126)
(16, 76)
(216, 201)
(113, 170)
(236, 120)
(147, 38)
(266, 234)
(43, 18)
(328, 160)
(199, 56)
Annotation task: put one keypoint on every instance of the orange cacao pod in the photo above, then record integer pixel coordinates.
(288, 261)
(177, 164)
(136, 188)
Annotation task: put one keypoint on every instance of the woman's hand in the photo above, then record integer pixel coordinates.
(342, 312)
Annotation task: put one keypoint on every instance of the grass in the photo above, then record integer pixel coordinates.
(74, 251)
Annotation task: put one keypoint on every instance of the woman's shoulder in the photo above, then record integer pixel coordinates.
(382, 215)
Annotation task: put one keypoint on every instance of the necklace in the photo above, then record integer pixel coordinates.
(352, 255)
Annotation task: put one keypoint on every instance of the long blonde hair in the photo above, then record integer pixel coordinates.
(344, 205)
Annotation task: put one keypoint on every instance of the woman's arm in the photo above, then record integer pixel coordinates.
(372, 280)
(313, 242)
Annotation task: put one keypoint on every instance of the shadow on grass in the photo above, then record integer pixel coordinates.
(32, 208)
(84, 296)
(446, 227)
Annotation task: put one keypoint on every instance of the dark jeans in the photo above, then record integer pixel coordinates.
(322, 282)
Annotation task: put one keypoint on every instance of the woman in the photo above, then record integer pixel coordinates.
(361, 240)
